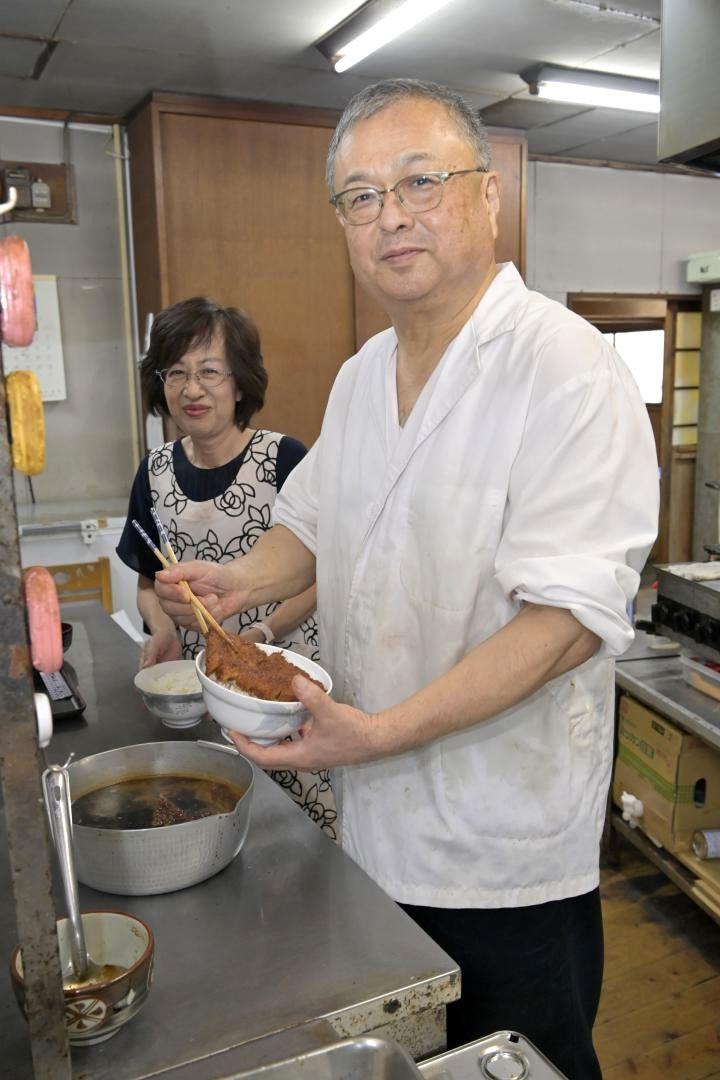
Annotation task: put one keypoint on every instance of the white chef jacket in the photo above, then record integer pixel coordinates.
(527, 472)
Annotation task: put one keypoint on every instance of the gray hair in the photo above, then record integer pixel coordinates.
(381, 94)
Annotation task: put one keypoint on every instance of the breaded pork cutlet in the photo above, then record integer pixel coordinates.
(264, 675)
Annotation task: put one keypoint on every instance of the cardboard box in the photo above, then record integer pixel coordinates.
(676, 775)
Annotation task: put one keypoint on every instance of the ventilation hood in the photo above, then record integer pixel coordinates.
(689, 124)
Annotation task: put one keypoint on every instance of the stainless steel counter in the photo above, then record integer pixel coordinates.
(292, 932)
(657, 682)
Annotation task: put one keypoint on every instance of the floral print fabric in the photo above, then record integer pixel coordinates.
(219, 530)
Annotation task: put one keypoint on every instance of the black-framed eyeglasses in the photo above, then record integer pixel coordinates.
(417, 193)
(175, 378)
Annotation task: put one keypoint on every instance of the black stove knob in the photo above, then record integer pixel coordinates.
(660, 613)
(707, 632)
(684, 621)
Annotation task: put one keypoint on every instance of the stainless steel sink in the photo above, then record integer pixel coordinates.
(363, 1058)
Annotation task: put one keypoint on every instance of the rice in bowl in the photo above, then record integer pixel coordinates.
(180, 682)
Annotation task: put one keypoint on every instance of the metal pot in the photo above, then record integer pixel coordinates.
(141, 862)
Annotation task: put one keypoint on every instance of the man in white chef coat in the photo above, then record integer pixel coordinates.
(476, 512)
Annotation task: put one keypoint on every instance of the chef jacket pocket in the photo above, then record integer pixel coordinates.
(526, 775)
(448, 551)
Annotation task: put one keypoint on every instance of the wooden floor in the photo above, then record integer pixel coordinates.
(660, 1008)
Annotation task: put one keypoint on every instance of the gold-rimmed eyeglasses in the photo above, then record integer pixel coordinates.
(417, 193)
(175, 378)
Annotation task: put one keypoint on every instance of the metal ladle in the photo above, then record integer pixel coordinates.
(56, 789)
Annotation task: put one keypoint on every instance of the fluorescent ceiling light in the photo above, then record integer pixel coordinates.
(594, 88)
(372, 26)
(599, 95)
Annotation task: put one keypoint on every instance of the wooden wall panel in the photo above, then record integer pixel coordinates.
(680, 516)
(509, 158)
(148, 232)
(248, 222)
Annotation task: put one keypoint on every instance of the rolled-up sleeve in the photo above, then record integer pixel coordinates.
(296, 506)
(583, 498)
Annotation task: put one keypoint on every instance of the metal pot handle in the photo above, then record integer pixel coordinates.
(57, 802)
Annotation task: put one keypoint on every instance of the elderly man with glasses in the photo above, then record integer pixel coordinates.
(476, 511)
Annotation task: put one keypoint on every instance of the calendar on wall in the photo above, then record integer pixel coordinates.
(45, 355)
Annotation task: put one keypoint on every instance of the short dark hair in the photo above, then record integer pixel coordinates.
(194, 322)
(380, 95)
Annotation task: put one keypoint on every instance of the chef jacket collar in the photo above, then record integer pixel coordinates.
(497, 313)
(501, 306)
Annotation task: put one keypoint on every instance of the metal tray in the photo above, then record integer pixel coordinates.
(502, 1056)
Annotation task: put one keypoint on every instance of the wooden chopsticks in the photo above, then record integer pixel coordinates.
(189, 595)
(204, 618)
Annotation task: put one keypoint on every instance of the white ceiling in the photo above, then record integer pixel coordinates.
(107, 55)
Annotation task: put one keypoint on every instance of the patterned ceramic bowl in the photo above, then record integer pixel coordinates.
(265, 722)
(122, 945)
(175, 709)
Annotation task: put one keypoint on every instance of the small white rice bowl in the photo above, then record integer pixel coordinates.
(172, 692)
(265, 722)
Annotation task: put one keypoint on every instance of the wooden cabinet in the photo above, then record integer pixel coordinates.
(229, 201)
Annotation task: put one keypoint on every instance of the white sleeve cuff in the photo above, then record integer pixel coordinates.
(596, 591)
(281, 515)
(296, 505)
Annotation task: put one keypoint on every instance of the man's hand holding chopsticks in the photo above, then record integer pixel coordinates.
(277, 567)
(221, 587)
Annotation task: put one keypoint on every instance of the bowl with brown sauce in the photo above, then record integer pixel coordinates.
(157, 817)
(122, 948)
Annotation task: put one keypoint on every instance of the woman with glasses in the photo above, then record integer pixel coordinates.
(214, 487)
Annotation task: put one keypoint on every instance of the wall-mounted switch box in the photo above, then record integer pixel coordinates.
(46, 192)
(21, 179)
(704, 267)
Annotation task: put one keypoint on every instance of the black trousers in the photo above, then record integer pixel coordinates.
(536, 970)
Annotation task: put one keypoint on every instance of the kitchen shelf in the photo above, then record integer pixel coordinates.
(679, 874)
(657, 681)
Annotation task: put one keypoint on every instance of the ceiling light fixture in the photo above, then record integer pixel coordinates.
(603, 89)
(372, 26)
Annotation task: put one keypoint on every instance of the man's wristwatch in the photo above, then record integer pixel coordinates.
(265, 631)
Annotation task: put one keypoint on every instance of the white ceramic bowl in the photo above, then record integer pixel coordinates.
(175, 710)
(264, 722)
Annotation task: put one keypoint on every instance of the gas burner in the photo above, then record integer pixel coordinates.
(688, 606)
